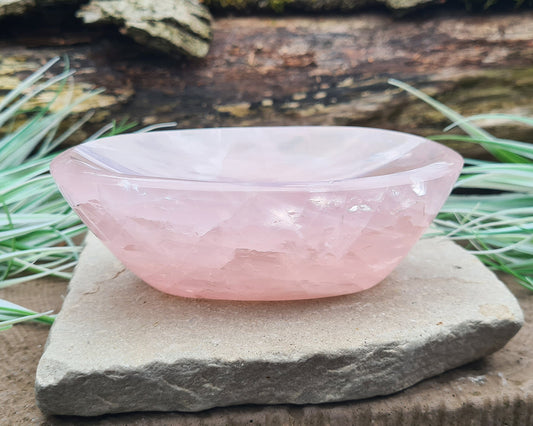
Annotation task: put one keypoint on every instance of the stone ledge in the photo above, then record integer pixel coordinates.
(118, 345)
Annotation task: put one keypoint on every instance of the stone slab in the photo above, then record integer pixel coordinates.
(119, 346)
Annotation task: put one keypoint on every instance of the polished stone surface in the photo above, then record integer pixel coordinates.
(119, 345)
(276, 213)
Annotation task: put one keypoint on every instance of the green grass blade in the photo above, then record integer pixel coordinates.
(453, 116)
(11, 314)
(472, 130)
(10, 111)
(28, 82)
(504, 117)
(523, 152)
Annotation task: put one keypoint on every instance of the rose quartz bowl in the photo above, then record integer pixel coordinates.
(274, 213)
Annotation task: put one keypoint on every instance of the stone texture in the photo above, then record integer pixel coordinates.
(496, 390)
(170, 26)
(119, 345)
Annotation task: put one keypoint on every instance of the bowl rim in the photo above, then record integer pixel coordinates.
(425, 172)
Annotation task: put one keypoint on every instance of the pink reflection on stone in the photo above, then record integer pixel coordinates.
(275, 213)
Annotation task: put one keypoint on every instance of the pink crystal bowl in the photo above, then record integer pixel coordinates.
(273, 213)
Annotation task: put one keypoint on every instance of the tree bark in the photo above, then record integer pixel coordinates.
(307, 71)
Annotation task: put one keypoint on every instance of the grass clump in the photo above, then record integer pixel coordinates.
(38, 229)
(37, 226)
(11, 314)
(497, 227)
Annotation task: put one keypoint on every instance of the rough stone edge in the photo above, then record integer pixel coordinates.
(500, 331)
(344, 387)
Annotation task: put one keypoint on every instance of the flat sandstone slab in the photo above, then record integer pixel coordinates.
(118, 345)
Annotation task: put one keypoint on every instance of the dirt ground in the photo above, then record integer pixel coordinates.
(495, 390)
(20, 350)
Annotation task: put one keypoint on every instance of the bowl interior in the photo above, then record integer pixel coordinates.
(269, 155)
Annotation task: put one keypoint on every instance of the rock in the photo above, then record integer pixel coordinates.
(118, 345)
(170, 26)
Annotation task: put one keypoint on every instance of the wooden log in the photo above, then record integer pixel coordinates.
(310, 71)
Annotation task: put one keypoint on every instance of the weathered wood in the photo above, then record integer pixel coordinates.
(313, 71)
(279, 6)
(172, 26)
